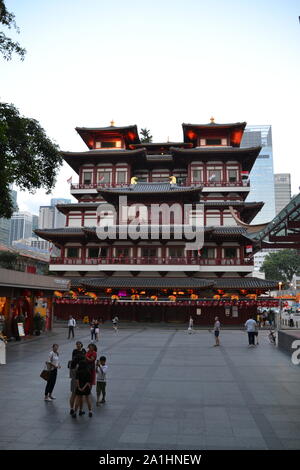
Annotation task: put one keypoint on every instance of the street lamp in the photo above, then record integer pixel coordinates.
(278, 323)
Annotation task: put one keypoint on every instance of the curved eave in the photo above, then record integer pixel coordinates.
(246, 156)
(250, 229)
(86, 133)
(150, 283)
(76, 159)
(55, 235)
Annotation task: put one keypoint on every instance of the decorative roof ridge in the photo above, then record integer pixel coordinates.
(214, 124)
(221, 148)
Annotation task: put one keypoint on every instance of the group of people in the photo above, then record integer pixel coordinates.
(95, 327)
(85, 372)
(251, 327)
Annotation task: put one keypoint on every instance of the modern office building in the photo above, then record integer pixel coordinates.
(262, 173)
(21, 226)
(46, 217)
(59, 218)
(35, 225)
(5, 223)
(50, 217)
(283, 192)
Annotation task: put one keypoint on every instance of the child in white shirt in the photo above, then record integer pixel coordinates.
(101, 369)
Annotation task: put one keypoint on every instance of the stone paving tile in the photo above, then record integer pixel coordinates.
(166, 390)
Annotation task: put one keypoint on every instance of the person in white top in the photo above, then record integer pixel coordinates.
(251, 327)
(191, 323)
(101, 369)
(71, 325)
(115, 322)
(217, 327)
(52, 365)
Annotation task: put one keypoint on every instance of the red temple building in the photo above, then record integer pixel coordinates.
(157, 279)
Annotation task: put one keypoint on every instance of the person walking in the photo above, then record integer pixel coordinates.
(115, 322)
(251, 327)
(78, 355)
(191, 323)
(93, 330)
(96, 327)
(291, 320)
(91, 357)
(83, 389)
(52, 365)
(217, 327)
(101, 369)
(71, 325)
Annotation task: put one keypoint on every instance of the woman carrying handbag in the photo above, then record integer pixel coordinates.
(52, 365)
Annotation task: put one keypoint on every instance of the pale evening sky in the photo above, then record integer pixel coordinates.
(156, 64)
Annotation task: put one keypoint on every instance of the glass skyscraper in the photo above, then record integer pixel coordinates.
(6, 223)
(262, 173)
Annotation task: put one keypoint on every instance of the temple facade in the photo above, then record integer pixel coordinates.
(127, 246)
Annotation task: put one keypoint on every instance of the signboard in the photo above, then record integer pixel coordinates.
(227, 311)
(21, 329)
(198, 311)
(235, 312)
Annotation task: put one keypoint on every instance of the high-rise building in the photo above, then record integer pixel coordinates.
(59, 218)
(50, 216)
(21, 226)
(46, 217)
(5, 223)
(35, 224)
(262, 173)
(282, 190)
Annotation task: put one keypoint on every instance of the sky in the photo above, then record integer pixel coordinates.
(155, 64)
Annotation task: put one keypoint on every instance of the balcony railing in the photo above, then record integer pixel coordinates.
(213, 184)
(154, 261)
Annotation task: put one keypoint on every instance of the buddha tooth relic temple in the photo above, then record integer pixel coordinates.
(137, 259)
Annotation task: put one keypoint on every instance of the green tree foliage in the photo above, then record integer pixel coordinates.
(146, 137)
(7, 45)
(28, 158)
(8, 260)
(281, 265)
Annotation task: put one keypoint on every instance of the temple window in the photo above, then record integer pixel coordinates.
(87, 177)
(93, 252)
(232, 176)
(230, 252)
(197, 176)
(214, 175)
(122, 252)
(148, 252)
(104, 176)
(176, 252)
(108, 144)
(207, 253)
(72, 252)
(121, 176)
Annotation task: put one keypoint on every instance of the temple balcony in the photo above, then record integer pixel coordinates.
(80, 188)
(151, 264)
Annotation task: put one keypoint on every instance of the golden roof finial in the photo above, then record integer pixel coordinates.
(112, 123)
(212, 120)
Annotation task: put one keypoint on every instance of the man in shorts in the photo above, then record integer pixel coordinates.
(217, 327)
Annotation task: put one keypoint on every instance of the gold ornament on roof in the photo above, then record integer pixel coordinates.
(212, 120)
(112, 123)
(133, 180)
(172, 179)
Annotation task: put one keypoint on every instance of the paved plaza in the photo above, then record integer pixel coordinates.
(166, 389)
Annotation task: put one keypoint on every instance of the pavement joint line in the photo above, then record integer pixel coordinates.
(264, 426)
(117, 429)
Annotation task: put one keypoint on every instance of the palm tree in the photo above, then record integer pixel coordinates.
(146, 137)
